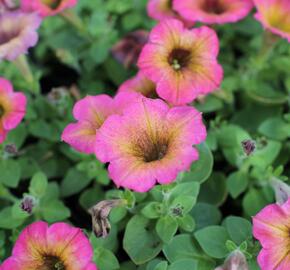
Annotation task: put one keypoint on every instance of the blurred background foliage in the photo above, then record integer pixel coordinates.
(191, 224)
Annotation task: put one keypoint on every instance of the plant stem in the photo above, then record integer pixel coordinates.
(22, 64)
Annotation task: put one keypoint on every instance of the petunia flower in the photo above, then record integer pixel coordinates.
(271, 227)
(182, 63)
(59, 247)
(6, 5)
(140, 84)
(213, 11)
(128, 49)
(17, 33)
(163, 9)
(90, 113)
(275, 16)
(12, 108)
(47, 7)
(150, 142)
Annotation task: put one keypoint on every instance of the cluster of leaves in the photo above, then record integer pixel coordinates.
(191, 224)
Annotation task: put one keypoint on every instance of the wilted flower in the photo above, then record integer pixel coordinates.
(10, 149)
(12, 108)
(149, 143)
(182, 63)
(127, 50)
(17, 33)
(236, 261)
(213, 11)
(140, 84)
(100, 214)
(275, 16)
(163, 9)
(47, 7)
(271, 228)
(59, 247)
(91, 112)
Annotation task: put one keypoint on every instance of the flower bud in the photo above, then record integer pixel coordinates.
(282, 191)
(28, 203)
(235, 261)
(249, 146)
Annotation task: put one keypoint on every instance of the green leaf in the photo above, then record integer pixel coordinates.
(185, 189)
(161, 266)
(105, 259)
(185, 264)
(201, 169)
(237, 183)
(214, 190)
(55, 211)
(10, 172)
(7, 221)
(38, 185)
(213, 240)
(238, 228)
(186, 223)
(184, 203)
(183, 246)
(74, 182)
(205, 215)
(140, 241)
(152, 210)
(166, 228)
(275, 128)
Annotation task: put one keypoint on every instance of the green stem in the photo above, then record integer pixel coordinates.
(76, 22)
(22, 64)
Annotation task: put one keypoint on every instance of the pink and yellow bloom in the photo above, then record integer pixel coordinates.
(12, 108)
(182, 63)
(18, 32)
(47, 7)
(140, 84)
(271, 226)
(150, 142)
(275, 16)
(163, 9)
(59, 246)
(213, 11)
(90, 113)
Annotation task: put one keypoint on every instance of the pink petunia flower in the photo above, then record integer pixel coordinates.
(91, 112)
(17, 33)
(213, 11)
(47, 7)
(275, 16)
(182, 63)
(271, 227)
(12, 108)
(140, 84)
(163, 9)
(149, 143)
(59, 246)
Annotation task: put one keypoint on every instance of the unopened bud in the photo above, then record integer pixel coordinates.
(28, 203)
(10, 149)
(249, 146)
(235, 261)
(281, 189)
(100, 213)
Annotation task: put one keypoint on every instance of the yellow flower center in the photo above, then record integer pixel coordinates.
(279, 19)
(179, 58)
(213, 6)
(53, 4)
(51, 262)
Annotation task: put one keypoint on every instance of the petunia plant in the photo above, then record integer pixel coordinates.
(144, 135)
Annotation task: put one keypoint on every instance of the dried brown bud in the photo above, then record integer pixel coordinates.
(100, 213)
(10, 149)
(249, 146)
(127, 50)
(28, 203)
